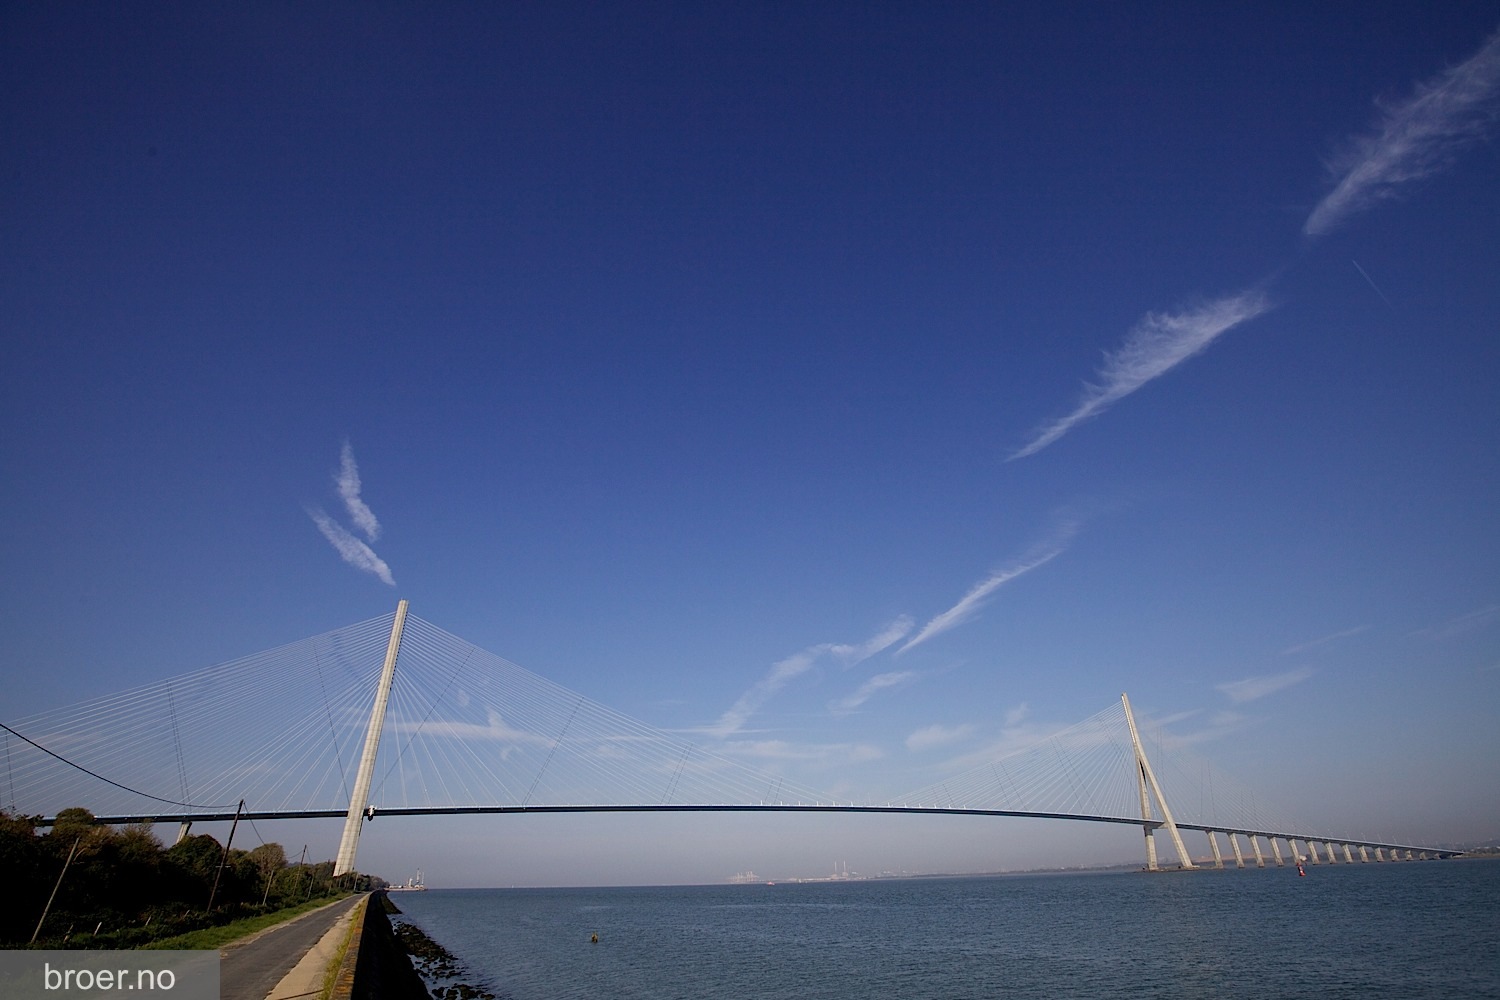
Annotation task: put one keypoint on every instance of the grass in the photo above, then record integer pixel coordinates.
(210, 938)
(331, 974)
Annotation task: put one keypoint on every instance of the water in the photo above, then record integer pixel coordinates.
(1404, 930)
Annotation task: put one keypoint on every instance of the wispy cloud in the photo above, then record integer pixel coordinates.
(1019, 732)
(1474, 621)
(869, 688)
(938, 735)
(353, 551)
(1153, 347)
(349, 486)
(894, 632)
(1252, 688)
(970, 603)
(826, 753)
(1415, 138)
(495, 729)
(799, 663)
(1176, 717)
(734, 719)
(1303, 647)
(1207, 730)
(350, 548)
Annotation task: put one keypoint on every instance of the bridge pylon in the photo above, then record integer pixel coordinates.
(354, 821)
(1146, 780)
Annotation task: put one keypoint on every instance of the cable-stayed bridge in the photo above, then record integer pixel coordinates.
(394, 716)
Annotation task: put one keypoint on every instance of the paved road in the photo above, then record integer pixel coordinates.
(250, 969)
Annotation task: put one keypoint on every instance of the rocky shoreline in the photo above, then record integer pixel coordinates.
(434, 963)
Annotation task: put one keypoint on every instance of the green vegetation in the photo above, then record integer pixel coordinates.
(217, 937)
(124, 889)
(331, 974)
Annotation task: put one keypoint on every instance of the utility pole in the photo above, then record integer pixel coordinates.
(48, 908)
(302, 867)
(224, 859)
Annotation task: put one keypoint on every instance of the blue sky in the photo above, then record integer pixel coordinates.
(859, 386)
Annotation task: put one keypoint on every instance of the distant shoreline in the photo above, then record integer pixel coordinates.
(1122, 869)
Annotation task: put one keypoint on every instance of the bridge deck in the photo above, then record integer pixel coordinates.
(209, 817)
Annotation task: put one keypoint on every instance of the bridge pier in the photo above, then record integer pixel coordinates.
(1364, 855)
(1380, 854)
(182, 831)
(1276, 850)
(1234, 845)
(1348, 855)
(1213, 843)
(1151, 864)
(1260, 860)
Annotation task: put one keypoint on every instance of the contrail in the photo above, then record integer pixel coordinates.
(1371, 282)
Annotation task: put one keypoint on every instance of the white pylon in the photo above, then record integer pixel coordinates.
(1146, 779)
(358, 801)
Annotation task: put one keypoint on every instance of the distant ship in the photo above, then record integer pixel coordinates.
(412, 885)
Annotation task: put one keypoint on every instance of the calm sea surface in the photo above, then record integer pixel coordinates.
(1417, 929)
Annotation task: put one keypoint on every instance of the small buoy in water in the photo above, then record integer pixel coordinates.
(594, 938)
(1300, 872)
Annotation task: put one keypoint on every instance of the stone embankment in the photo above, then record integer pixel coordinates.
(376, 965)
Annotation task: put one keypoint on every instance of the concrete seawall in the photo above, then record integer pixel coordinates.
(376, 966)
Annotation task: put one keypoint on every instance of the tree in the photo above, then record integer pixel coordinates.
(27, 865)
(269, 859)
(192, 862)
(70, 825)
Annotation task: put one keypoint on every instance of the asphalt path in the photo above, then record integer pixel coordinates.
(251, 968)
